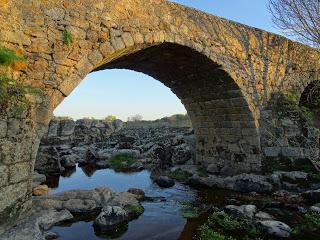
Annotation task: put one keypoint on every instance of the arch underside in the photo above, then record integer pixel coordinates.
(225, 129)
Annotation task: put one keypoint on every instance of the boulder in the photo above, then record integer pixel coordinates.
(110, 218)
(102, 164)
(315, 208)
(37, 177)
(245, 211)
(164, 182)
(263, 216)
(312, 196)
(69, 161)
(181, 154)
(252, 183)
(137, 191)
(48, 161)
(275, 228)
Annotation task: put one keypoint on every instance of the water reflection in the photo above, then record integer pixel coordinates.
(161, 220)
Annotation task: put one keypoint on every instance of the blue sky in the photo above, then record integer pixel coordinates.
(125, 93)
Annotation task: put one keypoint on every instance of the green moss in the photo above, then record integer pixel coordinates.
(67, 37)
(8, 57)
(12, 95)
(178, 175)
(122, 162)
(189, 210)
(136, 210)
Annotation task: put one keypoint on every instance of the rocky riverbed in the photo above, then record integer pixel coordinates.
(279, 204)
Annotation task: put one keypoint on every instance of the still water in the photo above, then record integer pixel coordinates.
(160, 220)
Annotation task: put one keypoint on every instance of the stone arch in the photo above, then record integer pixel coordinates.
(254, 62)
(225, 127)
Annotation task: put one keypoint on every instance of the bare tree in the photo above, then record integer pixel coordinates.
(298, 18)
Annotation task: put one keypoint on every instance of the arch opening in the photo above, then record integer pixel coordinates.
(311, 100)
(226, 133)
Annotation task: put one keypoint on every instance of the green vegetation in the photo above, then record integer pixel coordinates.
(190, 210)
(206, 233)
(122, 162)
(311, 222)
(110, 118)
(202, 171)
(8, 57)
(221, 225)
(67, 37)
(284, 103)
(178, 175)
(136, 210)
(12, 95)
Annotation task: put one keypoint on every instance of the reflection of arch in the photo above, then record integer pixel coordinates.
(224, 126)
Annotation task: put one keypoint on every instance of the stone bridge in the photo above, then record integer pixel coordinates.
(223, 72)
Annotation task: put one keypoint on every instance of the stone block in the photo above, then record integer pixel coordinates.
(272, 151)
(19, 172)
(11, 193)
(3, 129)
(3, 176)
(291, 152)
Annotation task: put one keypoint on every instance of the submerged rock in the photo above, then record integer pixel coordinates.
(164, 181)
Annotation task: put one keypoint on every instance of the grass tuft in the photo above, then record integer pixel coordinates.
(8, 57)
(67, 38)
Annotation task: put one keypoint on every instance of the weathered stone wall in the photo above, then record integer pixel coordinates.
(289, 140)
(222, 71)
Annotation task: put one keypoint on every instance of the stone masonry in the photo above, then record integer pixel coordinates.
(222, 71)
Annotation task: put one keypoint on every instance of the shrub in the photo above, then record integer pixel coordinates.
(67, 37)
(110, 118)
(311, 222)
(206, 233)
(231, 227)
(122, 162)
(8, 57)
